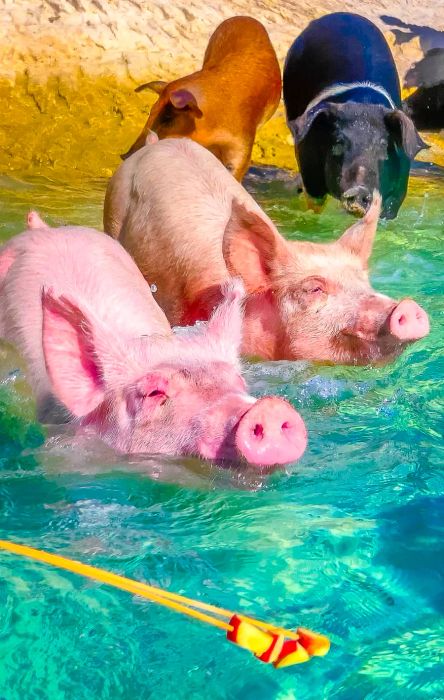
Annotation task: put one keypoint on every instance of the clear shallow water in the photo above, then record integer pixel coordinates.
(349, 541)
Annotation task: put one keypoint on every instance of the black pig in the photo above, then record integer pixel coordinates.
(343, 104)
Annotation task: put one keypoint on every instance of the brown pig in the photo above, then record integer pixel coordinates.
(189, 226)
(221, 105)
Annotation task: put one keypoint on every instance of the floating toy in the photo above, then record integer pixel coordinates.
(270, 644)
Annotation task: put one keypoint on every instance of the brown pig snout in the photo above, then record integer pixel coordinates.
(408, 321)
(271, 432)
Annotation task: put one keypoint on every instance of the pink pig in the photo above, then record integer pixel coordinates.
(189, 226)
(78, 309)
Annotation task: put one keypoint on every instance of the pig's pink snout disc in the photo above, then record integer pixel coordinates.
(271, 432)
(408, 321)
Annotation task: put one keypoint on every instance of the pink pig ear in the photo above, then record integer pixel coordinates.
(224, 328)
(185, 99)
(151, 138)
(359, 238)
(73, 367)
(251, 247)
(34, 221)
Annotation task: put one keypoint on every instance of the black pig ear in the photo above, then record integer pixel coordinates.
(300, 126)
(404, 132)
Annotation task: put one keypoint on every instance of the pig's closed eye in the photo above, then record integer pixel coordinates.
(315, 286)
(137, 399)
(157, 396)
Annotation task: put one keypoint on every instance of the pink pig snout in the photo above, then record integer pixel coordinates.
(271, 432)
(408, 321)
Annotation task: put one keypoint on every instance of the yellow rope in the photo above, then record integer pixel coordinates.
(125, 584)
(174, 601)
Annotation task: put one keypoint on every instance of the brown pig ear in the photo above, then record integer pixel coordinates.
(359, 238)
(404, 132)
(157, 86)
(250, 245)
(184, 99)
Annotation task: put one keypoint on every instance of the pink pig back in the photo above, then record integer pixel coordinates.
(82, 264)
(150, 222)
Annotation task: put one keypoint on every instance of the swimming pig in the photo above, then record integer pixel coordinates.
(83, 317)
(189, 226)
(221, 105)
(343, 104)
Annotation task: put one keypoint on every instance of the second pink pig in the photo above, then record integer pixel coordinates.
(190, 226)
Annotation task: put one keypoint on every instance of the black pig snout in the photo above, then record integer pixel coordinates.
(357, 199)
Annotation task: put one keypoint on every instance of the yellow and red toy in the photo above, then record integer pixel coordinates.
(272, 647)
(270, 644)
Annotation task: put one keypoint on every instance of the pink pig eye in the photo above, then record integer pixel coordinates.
(159, 395)
(314, 286)
(138, 395)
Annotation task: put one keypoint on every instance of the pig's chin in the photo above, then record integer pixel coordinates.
(231, 459)
(224, 453)
(366, 351)
(347, 349)
(217, 452)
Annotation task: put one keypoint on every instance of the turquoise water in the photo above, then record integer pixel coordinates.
(348, 542)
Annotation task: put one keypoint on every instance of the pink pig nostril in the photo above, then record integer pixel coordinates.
(271, 432)
(258, 430)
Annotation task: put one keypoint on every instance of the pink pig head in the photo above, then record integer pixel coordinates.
(314, 301)
(178, 395)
